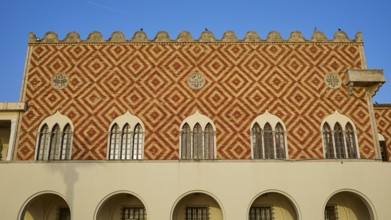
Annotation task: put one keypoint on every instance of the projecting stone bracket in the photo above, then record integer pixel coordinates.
(371, 79)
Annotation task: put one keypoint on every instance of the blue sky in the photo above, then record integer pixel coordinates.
(19, 17)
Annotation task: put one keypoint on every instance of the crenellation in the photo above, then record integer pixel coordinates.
(185, 36)
(95, 36)
(117, 36)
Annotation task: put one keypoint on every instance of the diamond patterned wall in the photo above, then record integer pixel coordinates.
(149, 80)
(383, 119)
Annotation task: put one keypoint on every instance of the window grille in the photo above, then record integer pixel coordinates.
(197, 213)
(339, 143)
(138, 142)
(114, 143)
(43, 143)
(63, 213)
(66, 143)
(126, 146)
(261, 213)
(331, 212)
(209, 141)
(257, 141)
(133, 213)
(280, 141)
(197, 142)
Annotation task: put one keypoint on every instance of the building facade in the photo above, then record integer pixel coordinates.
(196, 129)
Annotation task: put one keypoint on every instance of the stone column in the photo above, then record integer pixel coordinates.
(11, 140)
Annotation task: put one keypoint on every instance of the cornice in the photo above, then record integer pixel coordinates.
(206, 36)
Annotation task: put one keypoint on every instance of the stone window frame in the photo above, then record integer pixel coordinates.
(347, 136)
(263, 121)
(55, 138)
(127, 120)
(186, 146)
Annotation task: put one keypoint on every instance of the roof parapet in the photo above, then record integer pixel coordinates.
(185, 36)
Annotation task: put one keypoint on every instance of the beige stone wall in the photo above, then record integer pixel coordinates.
(301, 186)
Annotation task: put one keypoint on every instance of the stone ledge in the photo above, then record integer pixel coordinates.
(372, 79)
(12, 106)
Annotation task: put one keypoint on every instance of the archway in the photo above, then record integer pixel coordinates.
(46, 206)
(272, 205)
(123, 206)
(197, 206)
(347, 206)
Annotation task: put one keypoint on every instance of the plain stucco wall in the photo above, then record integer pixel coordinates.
(161, 184)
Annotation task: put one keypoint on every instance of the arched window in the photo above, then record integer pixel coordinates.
(198, 143)
(350, 141)
(186, 142)
(341, 142)
(328, 141)
(280, 141)
(257, 141)
(66, 143)
(114, 142)
(43, 143)
(126, 138)
(54, 140)
(126, 148)
(268, 137)
(138, 142)
(209, 142)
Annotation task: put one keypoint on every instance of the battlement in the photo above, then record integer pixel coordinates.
(185, 36)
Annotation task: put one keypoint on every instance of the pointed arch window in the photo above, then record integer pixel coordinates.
(186, 142)
(341, 142)
(54, 139)
(126, 138)
(66, 143)
(209, 141)
(55, 142)
(198, 143)
(268, 137)
(126, 149)
(43, 143)
(350, 141)
(328, 141)
(280, 141)
(137, 142)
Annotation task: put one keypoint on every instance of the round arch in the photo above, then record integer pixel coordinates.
(349, 202)
(198, 199)
(116, 203)
(44, 205)
(281, 202)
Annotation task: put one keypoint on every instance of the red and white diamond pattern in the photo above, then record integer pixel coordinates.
(149, 80)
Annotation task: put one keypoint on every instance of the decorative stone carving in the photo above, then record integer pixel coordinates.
(340, 36)
(60, 80)
(140, 36)
(229, 36)
(95, 37)
(252, 36)
(207, 36)
(32, 38)
(296, 36)
(274, 36)
(332, 80)
(359, 36)
(72, 37)
(50, 37)
(196, 80)
(162, 36)
(117, 36)
(184, 36)
(318, 36)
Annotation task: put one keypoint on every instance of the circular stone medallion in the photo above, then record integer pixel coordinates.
(196, 80)
(332, 80)
(60, 80)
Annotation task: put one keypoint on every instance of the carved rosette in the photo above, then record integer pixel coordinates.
(60, 80)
